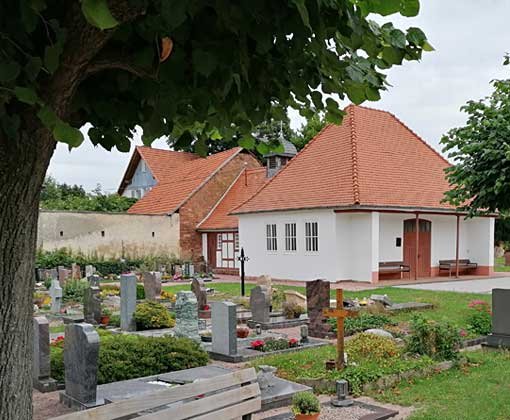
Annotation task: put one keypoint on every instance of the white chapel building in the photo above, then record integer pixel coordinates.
(364, 202)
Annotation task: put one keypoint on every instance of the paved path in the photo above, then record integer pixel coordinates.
(468, 286)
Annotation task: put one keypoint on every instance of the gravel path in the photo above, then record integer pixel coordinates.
(47, 406)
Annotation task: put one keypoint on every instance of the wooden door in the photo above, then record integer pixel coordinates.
(212, 243)
(424, 245)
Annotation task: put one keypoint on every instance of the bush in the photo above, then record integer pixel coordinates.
(152, 315)
(480, 320)
(140, 292)
(123, 357)
(114, 321)
(305, 403)
(275, 344)
(292, 310)
(439, 340)
(371, 347)
(74, 290)
(362, 322)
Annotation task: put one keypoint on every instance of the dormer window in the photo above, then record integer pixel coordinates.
(272, 162)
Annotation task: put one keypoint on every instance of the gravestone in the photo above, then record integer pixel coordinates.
(56, 296)
(500, 336)
(127, 302)
(303, 330)
(317, 298)
(198, 288)
(75, 271)
(260, 303)
(92, 305)
(384, 299)
(265, 281)
(186, 316)
(81, 356)
(224, 328)
(152, 284)
(94, 280)
(89, 270)
(63, 275)
(41, 357)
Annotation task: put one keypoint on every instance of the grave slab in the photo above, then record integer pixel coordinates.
(500, 336)
(41, 357)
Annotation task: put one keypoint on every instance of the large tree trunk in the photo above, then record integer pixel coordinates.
(23, 166)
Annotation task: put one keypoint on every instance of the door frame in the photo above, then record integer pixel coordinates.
(419, 265)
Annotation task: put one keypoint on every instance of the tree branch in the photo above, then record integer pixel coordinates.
(120, 63)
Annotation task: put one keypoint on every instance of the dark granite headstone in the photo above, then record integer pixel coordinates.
(92, 305)
(198, 288)
(260, 304)
(500, 336)
(81, 355)
(152, 284)
(317, 298)
(41, 357)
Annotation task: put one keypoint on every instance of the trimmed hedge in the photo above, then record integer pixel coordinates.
(123, 357)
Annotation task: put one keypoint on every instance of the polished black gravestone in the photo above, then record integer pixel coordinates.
(500, 336)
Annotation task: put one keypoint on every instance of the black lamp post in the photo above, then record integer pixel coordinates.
(242, 258)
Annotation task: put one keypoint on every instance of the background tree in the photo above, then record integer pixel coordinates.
(169, 66)
(480, 150)
(310, 129)
(56, 196)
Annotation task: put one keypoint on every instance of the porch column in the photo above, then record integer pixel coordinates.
(375, 246)
(417, 240)
(457, 248)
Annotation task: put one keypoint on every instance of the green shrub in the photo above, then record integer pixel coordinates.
(275, 344)
(74, 290)
(480, 320)
(371, 347)
(292, 310)
(140, 291)
(152, 315)
(439, 340)
(115, 321)
(362, 322)
(305, 403)
(123, 357)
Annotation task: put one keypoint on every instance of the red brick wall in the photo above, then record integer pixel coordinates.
(201, 203)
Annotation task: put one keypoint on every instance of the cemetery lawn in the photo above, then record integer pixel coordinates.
(448, 306)
(479, 391)
(499, 264)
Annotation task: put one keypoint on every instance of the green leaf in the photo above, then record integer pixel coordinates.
(262, 148)
(427, 47)
(9, 70)
(64, 133)
(372, 94)
(123, 145)
(26, 95)
(200, 147)
(204, 62)
(410, 8)
(398, 38)
(174, 12)
(384, 7)
(98, 14)
(52, 57)
(47, 117)
(416, 36)
(392, 55)
(303, 12)
(355, 92)
(247, 142)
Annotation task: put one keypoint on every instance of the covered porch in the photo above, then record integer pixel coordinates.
(412, 245)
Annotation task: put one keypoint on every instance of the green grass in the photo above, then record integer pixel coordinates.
(479, 392)
(451, 306)
(57, 328)
(499, 265)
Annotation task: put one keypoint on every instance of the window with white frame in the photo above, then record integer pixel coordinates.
(218, 241)
(271, 239)
(312, 236)
(290, 237)
(236, 241)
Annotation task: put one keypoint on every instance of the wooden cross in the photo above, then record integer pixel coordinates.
(340, 314)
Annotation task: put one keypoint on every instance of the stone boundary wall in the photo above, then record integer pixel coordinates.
(109, 235)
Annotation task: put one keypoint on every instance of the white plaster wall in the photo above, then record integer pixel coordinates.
(391, 227)
(204, 245)
(298, 265)
(480, 237)
(124, 234)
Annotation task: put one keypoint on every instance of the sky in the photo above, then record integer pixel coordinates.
(470, 38)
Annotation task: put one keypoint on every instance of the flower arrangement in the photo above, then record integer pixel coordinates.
(58, 342)
(206, 307)
(293, 342)
(243, 332)
(168, 296)
(305, 405)
(257, 345)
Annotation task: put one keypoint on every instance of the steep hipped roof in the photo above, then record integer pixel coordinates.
(372, 159)
(246, 184)
(162, 163)
(176, 185)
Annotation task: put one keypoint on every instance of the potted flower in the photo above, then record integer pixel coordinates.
(293, 342)
(257, 345)
(305, 406)
(243, 332)
(106, 313)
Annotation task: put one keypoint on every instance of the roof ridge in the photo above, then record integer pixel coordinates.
(391, 114)
(354, 155)
(284, 168)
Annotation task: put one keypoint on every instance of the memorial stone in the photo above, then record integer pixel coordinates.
(41, 357)
(56, 296)
(92, 305)
(260, 304)
(224, 328)
(127, 302)
(198, 288)
(317, 298)
(152, 285)
(186, 316)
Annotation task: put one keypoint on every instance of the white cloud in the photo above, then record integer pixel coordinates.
(470, 38)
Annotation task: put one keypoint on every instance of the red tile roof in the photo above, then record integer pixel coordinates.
(247, 184)
(175, 185)
(372, 159)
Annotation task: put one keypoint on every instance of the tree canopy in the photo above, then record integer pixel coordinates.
(480, 150)
(202, 67)
(61, 196)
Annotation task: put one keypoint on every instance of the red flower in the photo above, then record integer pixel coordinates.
(206, 307)
(257, 344)
(293, 342)
(463, 333)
